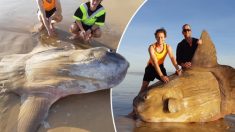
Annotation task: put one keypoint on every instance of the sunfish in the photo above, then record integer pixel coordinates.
(41, 78)
(204, 93)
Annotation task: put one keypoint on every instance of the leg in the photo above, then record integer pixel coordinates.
(149, 75)
(144, 86)
(51, 24)
(163, 70)
(49, 21)
(50, 32)
(55, 18)
(41, 22)
(74, 30)
(97, 33)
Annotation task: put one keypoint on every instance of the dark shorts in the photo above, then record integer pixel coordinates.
(49, 13)
(150, 73)
(86, 27)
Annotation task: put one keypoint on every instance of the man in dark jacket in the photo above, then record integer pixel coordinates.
(186, 48)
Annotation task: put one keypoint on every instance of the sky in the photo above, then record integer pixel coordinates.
(216, 17)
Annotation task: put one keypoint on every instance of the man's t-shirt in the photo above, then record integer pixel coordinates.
(185, 52)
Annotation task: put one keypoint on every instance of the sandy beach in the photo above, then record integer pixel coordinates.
(77, 113)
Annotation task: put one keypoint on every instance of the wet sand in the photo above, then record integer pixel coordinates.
(77, 113)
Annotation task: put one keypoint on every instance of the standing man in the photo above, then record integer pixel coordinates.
(88, 19)
(186, 48)
(49, 13)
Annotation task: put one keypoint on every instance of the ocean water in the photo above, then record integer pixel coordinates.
(124, 93)
(122, 97)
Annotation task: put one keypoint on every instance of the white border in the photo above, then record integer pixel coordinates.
(111, 100)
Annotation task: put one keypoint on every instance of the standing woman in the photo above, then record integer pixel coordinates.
(49, 13)
(155, 67)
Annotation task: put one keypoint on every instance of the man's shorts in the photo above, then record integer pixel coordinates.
(150, 73)
(50, 13)
(86, 27)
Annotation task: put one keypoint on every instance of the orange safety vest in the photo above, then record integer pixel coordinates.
(48, 6)
(160, 56)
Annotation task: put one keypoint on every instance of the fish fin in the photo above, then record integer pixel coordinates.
(32, 112)
(205, 55)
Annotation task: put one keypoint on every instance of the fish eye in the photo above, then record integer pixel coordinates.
(165, 105)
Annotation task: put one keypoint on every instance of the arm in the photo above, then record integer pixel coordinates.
(79, 24)
(78, 15)
(179, 55)
(171, 55)
(43, 16)
(155, 64)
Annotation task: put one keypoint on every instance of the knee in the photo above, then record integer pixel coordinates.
(59, 18)
(73, 28)
(39, 16)
(97, 33)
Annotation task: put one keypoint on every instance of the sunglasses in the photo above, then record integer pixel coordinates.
(186, 30)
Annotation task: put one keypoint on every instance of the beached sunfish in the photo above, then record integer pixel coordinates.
(41, 78)
(204, 93)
